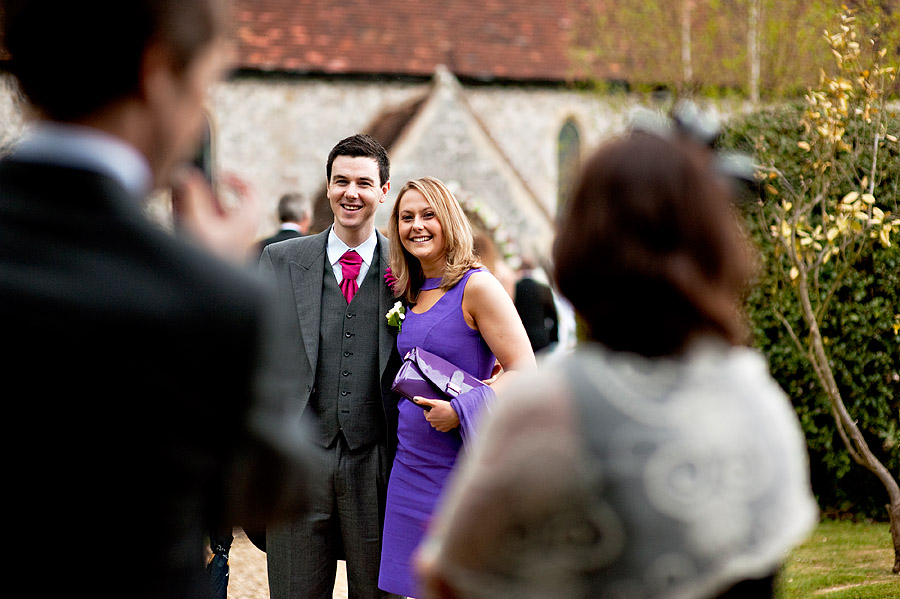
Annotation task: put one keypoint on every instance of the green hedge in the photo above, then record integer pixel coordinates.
(859, 332)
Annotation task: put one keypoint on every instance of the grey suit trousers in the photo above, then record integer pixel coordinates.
(352, 499)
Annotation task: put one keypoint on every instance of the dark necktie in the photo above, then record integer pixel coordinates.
(350, 263)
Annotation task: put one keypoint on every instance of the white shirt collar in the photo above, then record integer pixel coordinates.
(91, 149)
(336, 248)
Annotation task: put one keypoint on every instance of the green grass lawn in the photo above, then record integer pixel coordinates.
(842, 560)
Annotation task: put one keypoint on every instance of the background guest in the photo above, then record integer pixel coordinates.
(294, 216)
(534, 303)
(459, 311)
(490, 257)
(659, 459)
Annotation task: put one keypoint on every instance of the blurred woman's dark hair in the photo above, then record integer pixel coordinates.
(649, 249)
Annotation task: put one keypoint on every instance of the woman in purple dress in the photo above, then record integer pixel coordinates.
(459, 311)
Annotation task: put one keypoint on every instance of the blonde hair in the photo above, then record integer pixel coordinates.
(459, 250)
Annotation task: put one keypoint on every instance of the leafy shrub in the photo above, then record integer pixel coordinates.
(860, 331)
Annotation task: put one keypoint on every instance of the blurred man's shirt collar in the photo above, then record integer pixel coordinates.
(86, 148)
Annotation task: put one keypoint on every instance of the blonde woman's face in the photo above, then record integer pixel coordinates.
(420, 230)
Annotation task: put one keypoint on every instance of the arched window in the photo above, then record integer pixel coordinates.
(568, 159)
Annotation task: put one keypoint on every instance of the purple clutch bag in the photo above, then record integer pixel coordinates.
(427, 375)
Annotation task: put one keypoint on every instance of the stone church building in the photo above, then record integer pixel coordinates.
(482, 95)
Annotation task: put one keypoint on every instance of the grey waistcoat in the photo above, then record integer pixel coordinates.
(348, 392)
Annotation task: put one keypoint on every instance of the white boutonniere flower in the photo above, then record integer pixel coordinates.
(396, 315)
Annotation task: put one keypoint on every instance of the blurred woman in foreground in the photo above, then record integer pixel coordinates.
(660, 459)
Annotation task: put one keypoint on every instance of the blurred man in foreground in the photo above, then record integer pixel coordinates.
(150, 404)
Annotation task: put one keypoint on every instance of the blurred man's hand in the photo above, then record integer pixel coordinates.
(225, 223)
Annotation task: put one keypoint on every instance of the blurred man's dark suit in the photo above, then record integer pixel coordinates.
(144, 399)
(281, 235)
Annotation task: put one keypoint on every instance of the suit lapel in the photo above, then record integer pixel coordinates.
(307, 273)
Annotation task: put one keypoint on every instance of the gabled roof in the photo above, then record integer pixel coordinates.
(438, 134)
(483, 39)
(445, 138)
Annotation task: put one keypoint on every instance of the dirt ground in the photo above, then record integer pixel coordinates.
(248, 577)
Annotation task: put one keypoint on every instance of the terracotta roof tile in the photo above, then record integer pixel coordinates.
(520, 39)
(481, 39)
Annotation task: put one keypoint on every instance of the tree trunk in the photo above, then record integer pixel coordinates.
(850, 433)
(894, 511)
(753, 33)
(686, 61)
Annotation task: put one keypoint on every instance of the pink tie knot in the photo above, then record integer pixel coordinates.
(350, 265)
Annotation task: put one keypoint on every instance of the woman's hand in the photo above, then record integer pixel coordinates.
(496, 372)
(440, 414)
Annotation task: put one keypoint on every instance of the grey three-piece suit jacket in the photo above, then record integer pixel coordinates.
(300, 271)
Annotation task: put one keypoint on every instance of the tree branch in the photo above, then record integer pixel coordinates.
(848, 444)
(799, 344)
(874, 170)
(841, 273)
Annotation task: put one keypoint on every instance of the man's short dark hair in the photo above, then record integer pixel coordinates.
(75, 58)
(361, 145)
(293, 207)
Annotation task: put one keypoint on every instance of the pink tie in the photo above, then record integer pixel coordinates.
(350, 263)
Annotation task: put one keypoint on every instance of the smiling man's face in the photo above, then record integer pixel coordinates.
(354, 192)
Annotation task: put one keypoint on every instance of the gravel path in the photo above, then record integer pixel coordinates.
(248, 577)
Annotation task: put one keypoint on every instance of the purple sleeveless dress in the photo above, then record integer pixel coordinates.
(424, 455)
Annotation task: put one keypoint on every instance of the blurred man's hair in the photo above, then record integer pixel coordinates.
(76, 58)
(294, 207)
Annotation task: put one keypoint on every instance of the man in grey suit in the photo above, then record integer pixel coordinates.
(347, 352)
